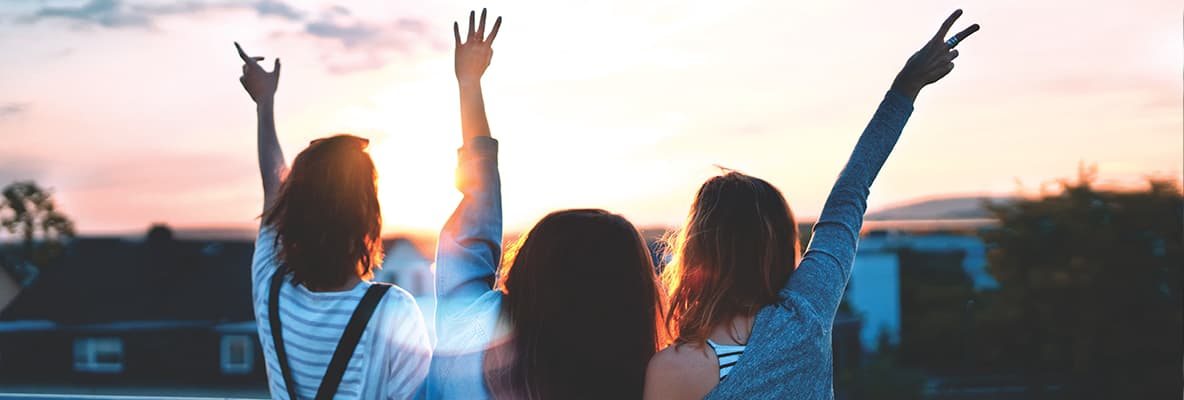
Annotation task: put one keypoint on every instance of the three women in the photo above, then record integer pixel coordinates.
(574, 309)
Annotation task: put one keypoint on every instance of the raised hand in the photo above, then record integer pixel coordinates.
(260, 84)
(932, 62)
(473, 55)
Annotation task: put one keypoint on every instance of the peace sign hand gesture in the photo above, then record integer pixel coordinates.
(474, 54)
(260, 84)
(932, 62)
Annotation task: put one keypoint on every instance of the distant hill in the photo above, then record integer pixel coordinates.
(965, 207)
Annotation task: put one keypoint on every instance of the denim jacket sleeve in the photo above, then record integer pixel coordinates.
(470, 244)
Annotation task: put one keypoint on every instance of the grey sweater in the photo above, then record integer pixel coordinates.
(789, 352)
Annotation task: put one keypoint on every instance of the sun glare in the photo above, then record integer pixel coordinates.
(415, 155)
(415, 186)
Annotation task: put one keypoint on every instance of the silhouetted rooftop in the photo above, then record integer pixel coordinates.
(108, 279)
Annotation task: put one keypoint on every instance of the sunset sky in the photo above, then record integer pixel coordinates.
(132, 110)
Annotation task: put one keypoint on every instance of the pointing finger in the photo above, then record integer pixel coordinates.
(472, 15)
(493, 32)
(242, 54)
(945, 26)
(481, 28)
(456, 32)
(961, 36)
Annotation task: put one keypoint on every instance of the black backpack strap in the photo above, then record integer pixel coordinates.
(277, 334)
(349, 340)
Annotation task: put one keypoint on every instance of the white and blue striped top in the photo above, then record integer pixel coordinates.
(392, 357)
(727, 355)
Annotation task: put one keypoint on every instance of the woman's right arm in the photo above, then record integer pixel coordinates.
(261, 86)
(469, 246)
(821, 277)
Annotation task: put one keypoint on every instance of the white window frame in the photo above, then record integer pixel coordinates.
(87, 350)
(248, 361)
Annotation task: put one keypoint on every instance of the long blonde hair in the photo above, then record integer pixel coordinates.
(737, 249)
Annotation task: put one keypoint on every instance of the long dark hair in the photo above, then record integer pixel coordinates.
(327, 218)
(583, 307)
(736, 250)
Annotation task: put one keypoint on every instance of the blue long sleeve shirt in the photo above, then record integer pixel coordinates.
(467, 256)
(788, 355)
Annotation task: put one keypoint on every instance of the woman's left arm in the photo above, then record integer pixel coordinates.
(821, 277)
(469, 247)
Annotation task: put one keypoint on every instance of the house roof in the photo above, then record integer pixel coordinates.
(425, 248)
(109, 279)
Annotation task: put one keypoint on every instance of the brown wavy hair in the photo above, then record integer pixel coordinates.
(326, 216)
(584, 308)
(737, 249)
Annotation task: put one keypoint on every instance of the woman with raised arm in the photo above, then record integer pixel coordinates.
(752, 322)
(326, 330)
(573, 313)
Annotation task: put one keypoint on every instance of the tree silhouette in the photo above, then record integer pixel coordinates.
(28, 211)
(1090, 290)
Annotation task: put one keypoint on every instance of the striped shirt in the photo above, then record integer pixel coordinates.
(727, 355)
(392, 357)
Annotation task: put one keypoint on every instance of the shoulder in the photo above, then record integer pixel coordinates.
(401, 317)
(682, 359)
(408, 349)
(397, 297)
(681, 371)
(265, 247)
(265, 239)
(264, 261)
(399, 307)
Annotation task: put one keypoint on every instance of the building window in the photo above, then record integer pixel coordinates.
(238, 354)
(98, 355)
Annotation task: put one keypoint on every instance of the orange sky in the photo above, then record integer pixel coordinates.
(132, 112)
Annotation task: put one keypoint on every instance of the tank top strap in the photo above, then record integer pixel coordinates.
(726, 355)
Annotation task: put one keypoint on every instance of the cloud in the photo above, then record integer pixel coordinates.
(107, 13)
(351, 35)
(367, 45)
(11, 109)
(277, 9)
(120, 14)
(360, 44)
